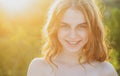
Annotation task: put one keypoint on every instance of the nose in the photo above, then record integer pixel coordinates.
(72, 34)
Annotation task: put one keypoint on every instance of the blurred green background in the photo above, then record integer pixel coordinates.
(21, 37)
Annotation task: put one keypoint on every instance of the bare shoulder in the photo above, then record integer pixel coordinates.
(38, 67)
(107, 69)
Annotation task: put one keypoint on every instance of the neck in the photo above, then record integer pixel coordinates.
(69, 58)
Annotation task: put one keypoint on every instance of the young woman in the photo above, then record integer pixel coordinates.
(74, 42)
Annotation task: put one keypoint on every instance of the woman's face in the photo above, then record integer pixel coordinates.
(73, 31)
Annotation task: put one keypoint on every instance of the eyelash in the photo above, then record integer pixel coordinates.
(82, 26)
(63, 25)
(66, 26)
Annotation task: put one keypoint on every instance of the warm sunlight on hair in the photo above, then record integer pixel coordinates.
(13, 6)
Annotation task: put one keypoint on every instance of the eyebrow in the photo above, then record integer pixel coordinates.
(78, 24)
(83, 23)
(64, 23)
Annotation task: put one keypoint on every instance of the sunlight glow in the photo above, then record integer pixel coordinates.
(12, 6)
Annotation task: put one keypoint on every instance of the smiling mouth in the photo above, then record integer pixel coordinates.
(73, 42)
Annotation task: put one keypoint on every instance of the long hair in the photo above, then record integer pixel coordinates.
(95, 49)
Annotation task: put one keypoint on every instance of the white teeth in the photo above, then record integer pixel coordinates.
(73, 42)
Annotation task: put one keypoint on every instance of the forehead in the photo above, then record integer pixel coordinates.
(73, 16)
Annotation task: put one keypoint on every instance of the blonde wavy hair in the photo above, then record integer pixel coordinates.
(95, 49)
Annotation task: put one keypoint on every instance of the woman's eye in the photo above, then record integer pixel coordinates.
(82, 26)
(64, 26)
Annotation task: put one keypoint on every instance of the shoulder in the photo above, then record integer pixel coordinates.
(38, 67)
(107, 69)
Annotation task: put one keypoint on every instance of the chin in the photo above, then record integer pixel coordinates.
(73, 50)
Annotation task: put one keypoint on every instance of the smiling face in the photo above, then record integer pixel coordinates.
(73, 31)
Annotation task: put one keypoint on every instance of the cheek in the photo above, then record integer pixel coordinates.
(83, 34)
(62, 33)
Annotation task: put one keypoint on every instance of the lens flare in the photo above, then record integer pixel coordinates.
(12, 6)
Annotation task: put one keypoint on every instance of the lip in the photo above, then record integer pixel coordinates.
(73, 42)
